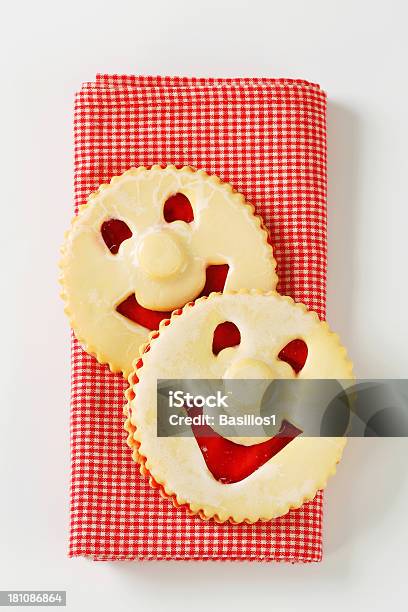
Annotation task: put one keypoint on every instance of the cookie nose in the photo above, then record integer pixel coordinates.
(159, 255)
(249, 368)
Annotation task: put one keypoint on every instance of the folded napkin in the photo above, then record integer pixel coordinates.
(267, 137)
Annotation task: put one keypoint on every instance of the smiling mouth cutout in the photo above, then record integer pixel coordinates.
(130, 308)
(230, 462)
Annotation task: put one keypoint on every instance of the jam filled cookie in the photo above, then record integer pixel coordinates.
(235, 335)
(149, 242)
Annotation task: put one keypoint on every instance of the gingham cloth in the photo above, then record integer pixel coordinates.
(268, 139)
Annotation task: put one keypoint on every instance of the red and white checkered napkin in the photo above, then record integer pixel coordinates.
(268, 139)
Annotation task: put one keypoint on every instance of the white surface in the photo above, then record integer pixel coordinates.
(357, 51)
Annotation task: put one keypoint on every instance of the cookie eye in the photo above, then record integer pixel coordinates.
(295, 354)
(225, 335)
(114, 232)
(178, 208)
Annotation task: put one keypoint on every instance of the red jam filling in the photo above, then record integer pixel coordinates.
(178, 208)
(295, 354)
(215, 278)
(230, 462)
(114, 232)
(225, 335)
(130, 308)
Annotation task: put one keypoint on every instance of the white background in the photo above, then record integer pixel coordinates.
(357, 51)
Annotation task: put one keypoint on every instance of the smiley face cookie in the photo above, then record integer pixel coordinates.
(235, 335)
(149, 242)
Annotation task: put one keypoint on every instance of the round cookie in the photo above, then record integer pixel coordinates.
(183, 348)
(149, 242)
